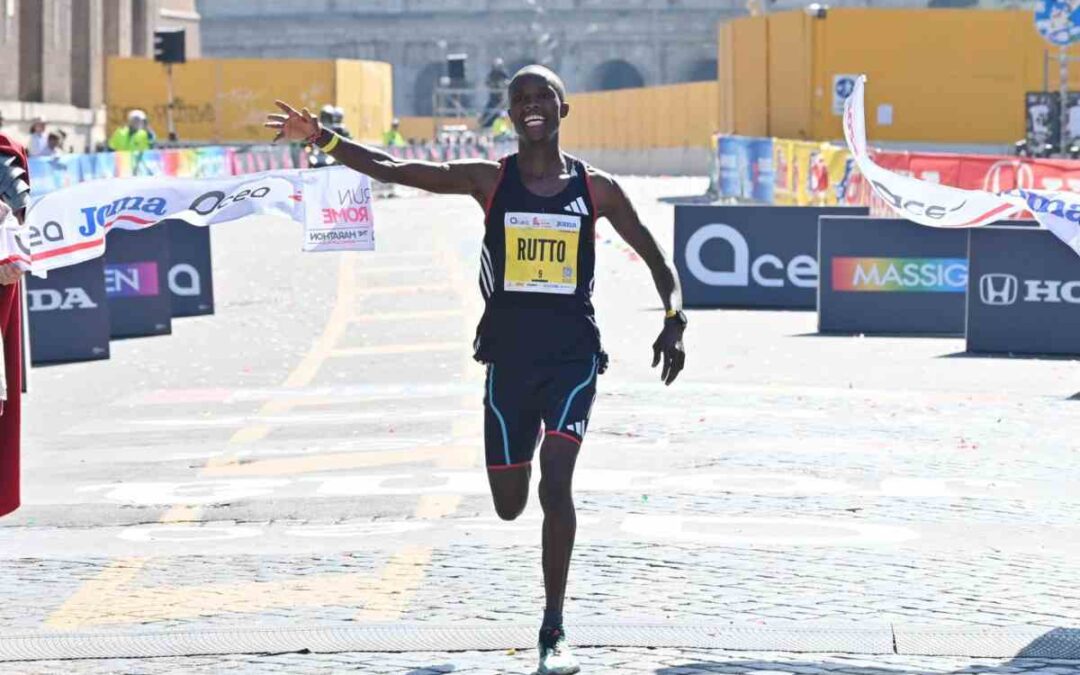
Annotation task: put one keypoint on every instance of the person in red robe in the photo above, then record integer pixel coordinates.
(14, 192)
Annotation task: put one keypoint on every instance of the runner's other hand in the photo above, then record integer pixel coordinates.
(669, 347)
(292, 125)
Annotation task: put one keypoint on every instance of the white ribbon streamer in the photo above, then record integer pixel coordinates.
(943, 206)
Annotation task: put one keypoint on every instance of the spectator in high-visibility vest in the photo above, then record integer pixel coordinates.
(392, 138)
(501, 129)
(135, 136)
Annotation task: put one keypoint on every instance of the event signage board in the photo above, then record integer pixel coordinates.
(68, 314)
(749, 256)
(891, 277)
(191, 279)
(137, 282)
(1023, 294)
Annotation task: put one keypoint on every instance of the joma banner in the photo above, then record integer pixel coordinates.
(68, 226)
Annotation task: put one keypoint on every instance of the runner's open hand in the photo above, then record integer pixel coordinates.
(290, 124)
(669, 346)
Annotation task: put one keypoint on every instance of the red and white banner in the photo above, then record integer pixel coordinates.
(929, 202)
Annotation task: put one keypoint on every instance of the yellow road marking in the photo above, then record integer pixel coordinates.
(407, 289)
(442, 456)
(407, 316)
(400, 578)
(380, 350)
(95, 597)
(182, 513)
(106, 599)
(432, 507)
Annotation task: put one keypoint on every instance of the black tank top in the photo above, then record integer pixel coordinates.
(537, 272)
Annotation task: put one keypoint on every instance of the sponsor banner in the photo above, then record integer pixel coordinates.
(936, 205)
(345, 220)
(190, 277)
(68, 314)
(784, 192)
(136, 282)
(749, 256)
(735, 167)
(1023, 293)
(67, 227)
(884, 276)
(212, 162)
(48, 174)
(762, 172)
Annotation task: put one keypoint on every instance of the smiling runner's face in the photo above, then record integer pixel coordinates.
(535, 108)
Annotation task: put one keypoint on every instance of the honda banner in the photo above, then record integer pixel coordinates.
(1023, 293)
(890, 277)
(69, 314)
(749, 256)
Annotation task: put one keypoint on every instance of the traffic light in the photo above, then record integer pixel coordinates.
(169, 46)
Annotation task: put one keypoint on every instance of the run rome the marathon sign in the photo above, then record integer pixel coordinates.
(891, 277)
(749, 256)
(68, 314)
(1023, 293)
(137, 282)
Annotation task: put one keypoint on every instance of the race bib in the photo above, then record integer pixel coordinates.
(541, 252)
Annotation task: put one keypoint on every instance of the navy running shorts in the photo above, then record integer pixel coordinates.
(518, 397)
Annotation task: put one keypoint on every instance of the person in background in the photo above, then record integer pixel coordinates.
(39, 141)
(501, 129)
(338, 124)
(392, 138)
(1, 121)
(56, 142)
(135, 136)
(497, 79)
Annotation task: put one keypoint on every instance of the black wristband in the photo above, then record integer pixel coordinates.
(679, 317)
(325, 135)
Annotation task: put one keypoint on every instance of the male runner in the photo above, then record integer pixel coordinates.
(538, 336)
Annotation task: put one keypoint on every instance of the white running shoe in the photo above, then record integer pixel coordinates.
(555, 655)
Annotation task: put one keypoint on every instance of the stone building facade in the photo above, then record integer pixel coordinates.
(592, 44)
(54, 53)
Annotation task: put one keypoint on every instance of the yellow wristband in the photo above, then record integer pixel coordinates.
(334, 140)
(670, 313)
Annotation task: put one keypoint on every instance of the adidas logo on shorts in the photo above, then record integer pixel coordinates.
(577, 427)
(577, 206)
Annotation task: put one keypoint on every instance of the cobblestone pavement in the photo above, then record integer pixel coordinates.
(594, 661)
(311, 453)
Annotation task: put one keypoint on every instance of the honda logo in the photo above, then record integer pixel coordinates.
(998, 289)
(1009, 174)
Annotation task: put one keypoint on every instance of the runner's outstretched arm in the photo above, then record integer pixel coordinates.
(613, 204)
(474, 177)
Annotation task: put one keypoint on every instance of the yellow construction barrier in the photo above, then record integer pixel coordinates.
(226, 100)
(937, 75)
